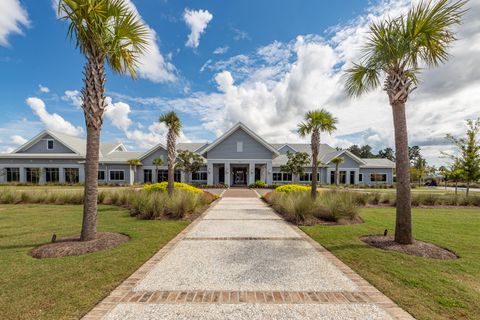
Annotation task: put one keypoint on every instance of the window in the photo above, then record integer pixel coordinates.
(287, 176)
(147, 176)
(13, 174)
(101, 175)
(117, 175)
(378, 177)
(199, 176)
(52, 175)
(332, 177)
(49, 144)
(162, 175)
(33, 175)
(72, 175)
(360, 177)
(277, 176)
(306, 177)
(352, 177)
(239, 146)
(177, 176)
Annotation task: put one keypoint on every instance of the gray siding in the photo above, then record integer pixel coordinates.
(227, 149)
(366, 175)
(37, 162)
(41, 147)
(159, 153)
(348, 162)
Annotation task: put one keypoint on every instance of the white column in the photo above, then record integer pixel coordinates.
(42, 176)
(61, 173)
(269, 173)
(227, 173)
(3, 174)
(209, 173)
(183, 177)
(251, 173)
(81, 174)
(23, 176)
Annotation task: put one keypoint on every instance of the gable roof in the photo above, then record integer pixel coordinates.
(240, 125)
(329, 157)
(75, 144)
(378, 163)
(152, 150)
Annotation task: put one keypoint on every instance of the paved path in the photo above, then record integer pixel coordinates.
(240, 260)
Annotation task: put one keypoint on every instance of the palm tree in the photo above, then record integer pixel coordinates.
(106, 32)
(134, 163)
(337, 161)
(315, 122)
(173, 123)
(157, 162)
(396, 50)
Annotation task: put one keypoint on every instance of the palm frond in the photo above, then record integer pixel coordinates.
(172, 121)
(361, 79)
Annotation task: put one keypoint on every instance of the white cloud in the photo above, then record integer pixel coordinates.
(197, 21)
(240, 35)
(53, 121)
(118, 114)
(43, 89)
(18, 140)
(271, 88)
(74, 97)
(12, 18)
(152, 64)
(221, 50)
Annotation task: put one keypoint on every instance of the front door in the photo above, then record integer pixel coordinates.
(239, 176)
(221, 175)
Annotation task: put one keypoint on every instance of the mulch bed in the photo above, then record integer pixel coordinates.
(417, 248)
(72, 246)
(313, 221)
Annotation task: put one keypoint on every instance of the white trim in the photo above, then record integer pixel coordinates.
(41, 155)
(348, 153)
(38, 138)
(109, 176)
(116, 147)
(248, 131)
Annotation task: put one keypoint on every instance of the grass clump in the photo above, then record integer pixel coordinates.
(288, 188)
(300, 208)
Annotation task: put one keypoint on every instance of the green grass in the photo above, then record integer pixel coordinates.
(65, 288)
(427, 288)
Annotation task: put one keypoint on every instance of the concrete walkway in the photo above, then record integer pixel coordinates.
(240, 260)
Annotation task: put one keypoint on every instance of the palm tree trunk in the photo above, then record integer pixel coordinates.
(403, 226)
(93, 106)
(171, 161)
(337, 174)
(315, 144)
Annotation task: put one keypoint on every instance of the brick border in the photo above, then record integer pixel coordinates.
(123, 293)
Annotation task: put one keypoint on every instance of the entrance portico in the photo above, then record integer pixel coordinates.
(239, 172)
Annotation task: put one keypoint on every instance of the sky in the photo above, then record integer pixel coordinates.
(264, 63)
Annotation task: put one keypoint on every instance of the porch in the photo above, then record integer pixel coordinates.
(239, 173)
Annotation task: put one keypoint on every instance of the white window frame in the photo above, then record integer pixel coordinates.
(199, 173)
(110, 175)
(53, 144)
(239, 146)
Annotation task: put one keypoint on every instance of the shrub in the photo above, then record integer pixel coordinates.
(287, 188)
(298, 207)
(162, 186)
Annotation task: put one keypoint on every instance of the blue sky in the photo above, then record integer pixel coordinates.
(261, 62)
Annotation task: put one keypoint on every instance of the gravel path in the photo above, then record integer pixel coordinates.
(240, 260)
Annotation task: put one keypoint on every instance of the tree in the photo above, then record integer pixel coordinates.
(366, 152)
(296, 163)
(173, 123)
(157, 162)
(394, 54)
(387, 153)
(337, 161)
(468, 153)
(414, 154)
(315, 122)
(355, 149)
(189, 161)
(106, 32)
(134, 163)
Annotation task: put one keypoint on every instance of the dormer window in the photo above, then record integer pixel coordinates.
(239, 146)
(49, 144)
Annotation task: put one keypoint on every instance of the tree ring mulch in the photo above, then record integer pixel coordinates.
(417, 248)
(72, 246)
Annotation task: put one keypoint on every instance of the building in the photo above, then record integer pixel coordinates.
(238, 157)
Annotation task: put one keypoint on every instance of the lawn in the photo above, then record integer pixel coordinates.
(427, 288)
(66, 288)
